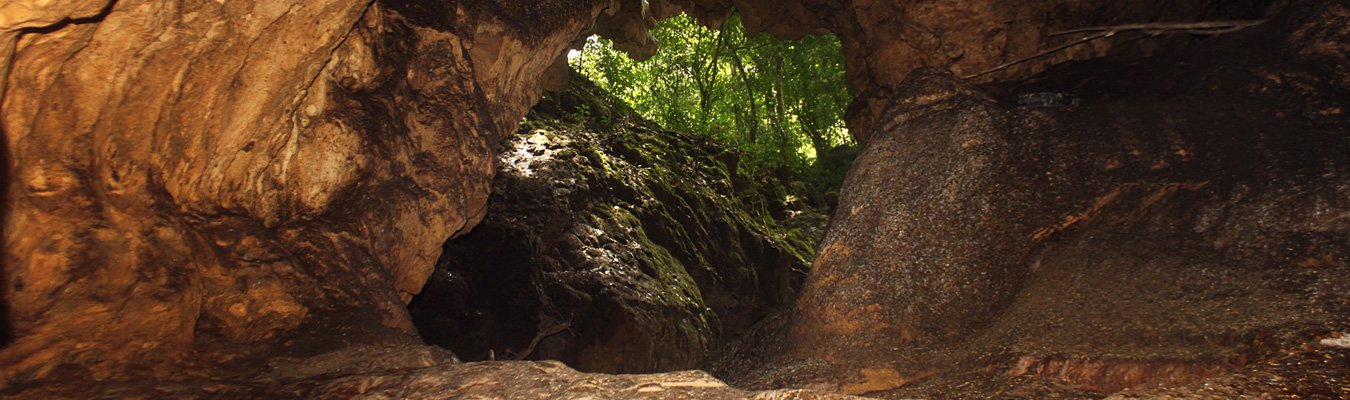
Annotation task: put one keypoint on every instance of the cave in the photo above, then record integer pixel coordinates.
(1071, 199)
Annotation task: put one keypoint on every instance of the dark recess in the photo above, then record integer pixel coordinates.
(432, 14)
(486, 295)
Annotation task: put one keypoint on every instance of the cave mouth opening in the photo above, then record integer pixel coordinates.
(780, 103)
(549, 273)
(653, 211)
(234, 209)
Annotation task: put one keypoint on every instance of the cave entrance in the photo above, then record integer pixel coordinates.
(656, 209)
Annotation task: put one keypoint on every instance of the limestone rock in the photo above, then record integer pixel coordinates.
(210, 182)
(1186, 222)
(201, 189)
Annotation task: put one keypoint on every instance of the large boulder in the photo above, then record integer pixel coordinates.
(1176, 220)
(653, 246)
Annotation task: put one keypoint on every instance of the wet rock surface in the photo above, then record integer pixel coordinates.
(653, 246)
(1186, 224)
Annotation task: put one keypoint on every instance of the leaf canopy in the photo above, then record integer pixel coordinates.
(781, 102)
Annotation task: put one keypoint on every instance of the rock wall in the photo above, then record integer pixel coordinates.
(197, 184)
(1179, 220)
(211, 182)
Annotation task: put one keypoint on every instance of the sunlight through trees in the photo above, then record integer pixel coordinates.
(780, 101)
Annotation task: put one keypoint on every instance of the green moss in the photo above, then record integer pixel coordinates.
(668, 270)
(701, 246)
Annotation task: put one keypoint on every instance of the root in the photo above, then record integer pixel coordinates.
(556, 329)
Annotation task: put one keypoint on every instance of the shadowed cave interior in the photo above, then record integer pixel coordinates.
(804, 199)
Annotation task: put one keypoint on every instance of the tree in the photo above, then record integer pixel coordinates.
(782, 102)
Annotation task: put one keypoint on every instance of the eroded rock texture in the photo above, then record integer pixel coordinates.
(251, 191)
(1187, 221)
(215, 182)
(652, 245)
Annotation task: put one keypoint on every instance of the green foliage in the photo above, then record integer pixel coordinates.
(782, 102)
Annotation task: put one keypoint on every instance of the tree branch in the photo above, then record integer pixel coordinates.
(1042, 54)
(1197, 28)
(1152, 29)
(540, 337)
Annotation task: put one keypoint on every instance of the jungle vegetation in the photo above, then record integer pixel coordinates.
(781, 102)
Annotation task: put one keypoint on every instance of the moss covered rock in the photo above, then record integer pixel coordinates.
(650, 247)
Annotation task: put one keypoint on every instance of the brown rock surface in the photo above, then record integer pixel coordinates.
(217, 181)
(226, 192)
(1187, 220)
(422, 372)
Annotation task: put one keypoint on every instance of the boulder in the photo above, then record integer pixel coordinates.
(1184, 223)
(652, 246)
